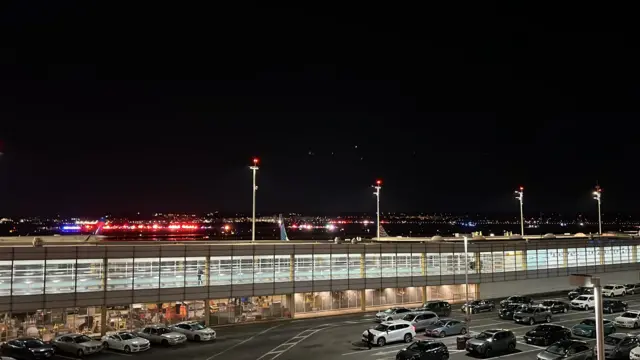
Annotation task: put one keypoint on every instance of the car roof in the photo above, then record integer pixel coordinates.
(395, 322)
(421, 312)
(622, 335)
(156, 326)
(27, 338)
(190, 322)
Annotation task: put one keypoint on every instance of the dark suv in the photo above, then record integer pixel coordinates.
(424, 350)
(520, 300)
(490, 342)
(441, 308)
(580, 291)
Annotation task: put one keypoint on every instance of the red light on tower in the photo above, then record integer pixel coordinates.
(521, 188)
(255, 161)
(378, 182)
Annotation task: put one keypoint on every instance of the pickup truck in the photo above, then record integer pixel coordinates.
(532, 315)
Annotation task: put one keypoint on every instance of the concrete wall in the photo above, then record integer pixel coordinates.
(551, 284)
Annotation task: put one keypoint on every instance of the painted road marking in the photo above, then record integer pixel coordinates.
(242, 342)
(287, 345)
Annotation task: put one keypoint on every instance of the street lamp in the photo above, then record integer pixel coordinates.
(378, 186)
(254, 168)
(520, 196)
(586, 280)
(597, 195)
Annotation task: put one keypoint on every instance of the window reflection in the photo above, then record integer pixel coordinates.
(28, 277)
(120, 274)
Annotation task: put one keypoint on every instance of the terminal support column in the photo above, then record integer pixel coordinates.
(292, 266)
(363, 275)
(565, 258)
(634, 253)
(103, 309)
(601, 251)
(207, 302)
(423, 272)
(476, 259)
(523, 259)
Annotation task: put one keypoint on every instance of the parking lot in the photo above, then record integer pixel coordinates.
(335, 338)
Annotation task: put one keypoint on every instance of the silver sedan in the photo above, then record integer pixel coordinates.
(446, 327)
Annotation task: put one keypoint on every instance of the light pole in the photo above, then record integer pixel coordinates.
(520, 196)
(466, 281)
(597, 195)
(378, 186)
(586, 280)
(254, 168)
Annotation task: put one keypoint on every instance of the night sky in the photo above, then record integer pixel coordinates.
(123, 108)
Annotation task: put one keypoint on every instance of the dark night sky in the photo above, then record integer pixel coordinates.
(150, 108)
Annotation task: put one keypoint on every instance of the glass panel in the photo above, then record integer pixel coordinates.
(403, 264)
(303, 267)
(339, 266)
(498, 261)
(220, 270)
(119, 274)
(542, 259)
(242, 270)
(554, 258)
(60, 276)
(608, 255)
(446, 263)
(373, 265)
(195, 271)
(263, 268)
(89, 275)
(5, 279)
(532, 260)
(510, 261)
(172, 271)
(28, 277)
(417, 265)
(389, 265)
(486, 262)
(520, 265)
(321, 267)
(146, 273)
(593, 258)
(572, 257)
(433, 264)
(283, 268)
(356, 266)
(625, 254)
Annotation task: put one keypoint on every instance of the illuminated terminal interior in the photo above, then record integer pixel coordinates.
(97, 288)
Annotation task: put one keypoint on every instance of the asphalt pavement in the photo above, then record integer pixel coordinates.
(337, 338)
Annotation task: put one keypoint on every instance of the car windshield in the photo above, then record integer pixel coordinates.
(589, 322)
(629, 285)
(388, 311)
(629, 315)
(163, 330)
(484, 335)
(558, 348)
(547, 303)
(381, 327)
(32, 344)
(198, 326)
(417, 346)
(583, 298)
(608, 287)
(408, 317)
(611, 340)
(81, 339)
(439, 323)
(127, 336)
(475, 302)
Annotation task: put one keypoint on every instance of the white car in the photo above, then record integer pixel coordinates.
(629, 319)
(125, 341)
(391, 331)
(614, 290)
(584, 302)
(195, 331)
(393, 313)
(635, 353)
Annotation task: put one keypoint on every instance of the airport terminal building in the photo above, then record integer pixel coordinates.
(98, 287)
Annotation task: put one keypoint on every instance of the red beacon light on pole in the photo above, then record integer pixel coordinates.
(378, 182)
(255, 161)
(521, 188)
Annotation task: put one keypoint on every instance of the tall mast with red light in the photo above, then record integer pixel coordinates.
(254, 169)
(378, 186)
(597, 195)
(520, 196)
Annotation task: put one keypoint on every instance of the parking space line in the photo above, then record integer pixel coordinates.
(241, 342)
(275, 352)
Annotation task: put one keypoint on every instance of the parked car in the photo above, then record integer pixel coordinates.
(160, 334)
(393, 313)
(531, 315)
(27, 348)
(619, 346)
(446, 327)
(580, 291)
(125, 341)
(517, 299)
(587, 328)
(612, 290)
(441, 308)
(632, 288)
(613, 306)
(583, 302)
(547, 334)
(194, 331)
(489, 342)
(635, 353)
(420, 320)
(507, 312)
(77, 344)
(391, 331)
(424, 350)
(629, 319)
(477, 306)
(555, 306)
(567, 350)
